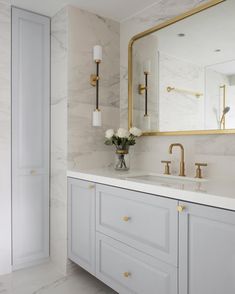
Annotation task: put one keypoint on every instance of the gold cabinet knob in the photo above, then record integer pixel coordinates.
(181, 208)
(91, 187)
(126, 274)
(33, 172)
(126, 218)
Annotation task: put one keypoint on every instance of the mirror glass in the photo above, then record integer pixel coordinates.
(183, 75)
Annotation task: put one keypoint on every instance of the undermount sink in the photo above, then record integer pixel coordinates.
(164, 179)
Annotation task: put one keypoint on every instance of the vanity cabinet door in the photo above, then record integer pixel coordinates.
(30, 137)
(206, 250)
(145, 222)
(81, 223)
(129, 271)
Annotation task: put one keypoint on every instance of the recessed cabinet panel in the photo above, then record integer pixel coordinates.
(30, 95)
(146, 222)
(30, 137)
(29, 207)
(207, 250)
(81, 223)
(129, 271)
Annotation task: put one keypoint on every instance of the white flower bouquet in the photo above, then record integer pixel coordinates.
(122, 140)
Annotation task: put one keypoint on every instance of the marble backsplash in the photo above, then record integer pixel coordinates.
(217, 150)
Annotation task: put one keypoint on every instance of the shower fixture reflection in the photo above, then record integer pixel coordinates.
(222, 120)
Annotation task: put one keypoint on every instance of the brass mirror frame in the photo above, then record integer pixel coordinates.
(130, 73)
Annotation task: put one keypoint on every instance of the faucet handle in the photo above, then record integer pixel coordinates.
(167, 167)
(199, 170)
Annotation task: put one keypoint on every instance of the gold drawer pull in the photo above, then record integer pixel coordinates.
(126, 218)
(91, 187)
(181, 208)
(33, 172)
(126, 274)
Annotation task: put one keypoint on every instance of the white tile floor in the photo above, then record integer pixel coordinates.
(45, 279)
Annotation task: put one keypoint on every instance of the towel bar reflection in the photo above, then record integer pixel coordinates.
(196, 94)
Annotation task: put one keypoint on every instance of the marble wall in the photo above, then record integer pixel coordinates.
(5, 137)
(217, 150)
(74, 142)
(59, 101)
(86, 147)
(179, 111)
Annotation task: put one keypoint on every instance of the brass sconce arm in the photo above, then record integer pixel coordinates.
(143, 89)
(94, 81)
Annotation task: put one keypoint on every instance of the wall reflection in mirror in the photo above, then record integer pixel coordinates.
(184, 74)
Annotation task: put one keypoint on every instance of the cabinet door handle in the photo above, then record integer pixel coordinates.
(126, 274)
(181, 208)
(33, 172)
(91, 187)
(126, 218)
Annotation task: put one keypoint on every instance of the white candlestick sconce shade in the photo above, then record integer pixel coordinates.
(97, 119)
(146, 123)
(97, 53)
(147, 66)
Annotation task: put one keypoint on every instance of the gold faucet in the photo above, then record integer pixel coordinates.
(182, 164)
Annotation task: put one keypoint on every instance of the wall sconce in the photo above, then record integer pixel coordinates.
(143, 89)
(94, 81)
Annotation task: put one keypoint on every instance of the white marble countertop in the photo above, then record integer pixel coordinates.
(211, 192)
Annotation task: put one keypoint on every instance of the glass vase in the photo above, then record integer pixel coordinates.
(122, 160)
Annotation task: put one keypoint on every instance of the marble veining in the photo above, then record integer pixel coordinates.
(184, 112)
(58, 203)
(86, 143)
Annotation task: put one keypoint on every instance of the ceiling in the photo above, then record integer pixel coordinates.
(119, 10)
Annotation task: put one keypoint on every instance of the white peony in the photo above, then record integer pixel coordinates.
(136, 132)
(123, 133)
(109, 133)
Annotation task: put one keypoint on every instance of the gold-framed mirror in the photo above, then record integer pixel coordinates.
(181, 74)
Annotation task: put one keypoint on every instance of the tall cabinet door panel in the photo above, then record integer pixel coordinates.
(30, 136)
(207, 250)
(81, 223)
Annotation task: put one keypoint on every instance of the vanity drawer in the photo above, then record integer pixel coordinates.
(146, 222)
(127, 270)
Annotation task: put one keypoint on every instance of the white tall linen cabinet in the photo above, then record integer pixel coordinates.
(30, 137)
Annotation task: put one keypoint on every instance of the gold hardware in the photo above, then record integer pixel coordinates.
(91, 187)
(121, 152)
(33, 172)
(125, 218)
(141, 89)
(93, 79)
(196, 94)
(198, 170)
(181, 208)
(130, 73)
(126, 274)
(167, 167)
(182, 164)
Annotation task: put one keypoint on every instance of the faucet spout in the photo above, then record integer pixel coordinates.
(182, 163)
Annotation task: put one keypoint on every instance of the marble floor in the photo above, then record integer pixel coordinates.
(45, 279)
